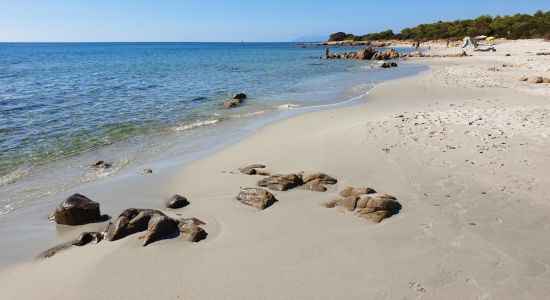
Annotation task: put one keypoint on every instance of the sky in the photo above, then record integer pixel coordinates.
(229, 20)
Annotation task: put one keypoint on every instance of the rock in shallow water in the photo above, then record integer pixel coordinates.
(100, 165)
(76, 210)
(256, 197)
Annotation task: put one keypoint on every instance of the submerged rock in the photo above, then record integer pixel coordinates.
(100, 165)
(231, 103)
(146, 171)
(281, 182)
(76, 210)
(176, 202)
(256, 197)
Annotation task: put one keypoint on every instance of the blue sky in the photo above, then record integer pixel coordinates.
(218, 20)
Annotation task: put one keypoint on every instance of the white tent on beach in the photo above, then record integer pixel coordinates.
(469, 42)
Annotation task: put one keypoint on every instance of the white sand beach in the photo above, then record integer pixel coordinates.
(463, 147)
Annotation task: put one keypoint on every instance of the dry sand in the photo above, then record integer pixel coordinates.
(463, 148)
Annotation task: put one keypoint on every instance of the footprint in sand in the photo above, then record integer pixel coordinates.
(427, 228)
(415, 286)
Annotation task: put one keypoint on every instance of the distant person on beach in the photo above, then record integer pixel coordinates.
(448, 41)
(327, 52)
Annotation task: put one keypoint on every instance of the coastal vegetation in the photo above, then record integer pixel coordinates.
(518, 26)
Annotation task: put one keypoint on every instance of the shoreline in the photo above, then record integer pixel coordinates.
(165, 163)
(473, 222)
(150, 149)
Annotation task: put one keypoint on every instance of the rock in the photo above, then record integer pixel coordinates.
(281, 182)
(192, 232)
(130, 221)
(385, 55)
(262, 173)
(378, 216)
(100, 165)
(380, 208)
(146, 171)
(315, 185)
(384, 202)
(322, 177)
(523, 78)
(348, 203)
(88, 237)
(350, 191)
(251, 170)
(536, 79)
(507, 54)
(365, 53)
(176, 202)
(231, 103)
(388, 64)
(362, 203)
(256, 197)
(76, 210)
(193, 221)
(159, 227)
(240, 96)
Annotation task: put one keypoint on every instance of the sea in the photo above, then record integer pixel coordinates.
(64, 106)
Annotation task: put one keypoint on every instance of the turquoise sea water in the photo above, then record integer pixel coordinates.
(61, 100)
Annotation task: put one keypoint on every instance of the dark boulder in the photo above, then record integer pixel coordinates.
(88, 237)
(176, 202)
(76, 210)
(256, 197)
(159, 227)
(240, 96)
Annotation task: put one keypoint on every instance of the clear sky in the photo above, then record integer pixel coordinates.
(227, 20)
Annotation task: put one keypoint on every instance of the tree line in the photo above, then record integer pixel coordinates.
(518, 26)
